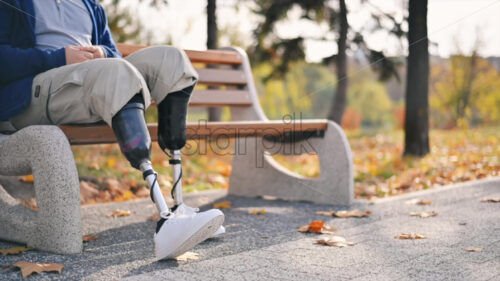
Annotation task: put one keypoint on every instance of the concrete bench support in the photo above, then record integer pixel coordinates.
(57, 225)
(256, 173)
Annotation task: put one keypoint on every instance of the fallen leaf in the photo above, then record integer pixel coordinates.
(473, 249)
(28, 178)
(410, 236)
(335, 241)
(111, 162)
(30, 203)
(120, 213)
(222, 205)
(257, 212)
(326, 213)
(154, 217)
(491, 200)
(424, 202)
(417, 201)
(424, 214)
(88, 190)
(317, 227)
(14, 250)
(188, 256)
(87, 238)
(94, 166)
(344, 214)
(28, 268)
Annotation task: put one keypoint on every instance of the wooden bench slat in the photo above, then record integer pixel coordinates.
(208, 57)
(220, 98)
(104, 134)
(212, 76)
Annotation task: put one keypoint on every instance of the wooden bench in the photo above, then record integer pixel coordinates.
(46, 152)
(228, 79)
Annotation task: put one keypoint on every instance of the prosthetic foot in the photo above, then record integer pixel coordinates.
(175, 233)
(172, 113)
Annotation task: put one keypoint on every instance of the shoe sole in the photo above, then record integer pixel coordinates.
(201, 235)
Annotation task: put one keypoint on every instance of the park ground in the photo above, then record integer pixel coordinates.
(459, 241)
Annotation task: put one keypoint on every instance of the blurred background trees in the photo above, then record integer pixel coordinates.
(358, 86)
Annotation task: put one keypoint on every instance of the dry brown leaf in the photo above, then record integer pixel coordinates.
(222, 205)
(424, 214)
(14, 250)
(120, 213)
(154, 217)
(88, 190)
(473, 249)
(28, 178)
(317, 227)
(424, 202)
(188, 256)
(335, 241)
(87, 238)
(326, 213)
(417, 201)
(491, 200)
(410, 236)
(344, 214)
(257, 212)
(28, 268)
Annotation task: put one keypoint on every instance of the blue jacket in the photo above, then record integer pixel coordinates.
(20, 61)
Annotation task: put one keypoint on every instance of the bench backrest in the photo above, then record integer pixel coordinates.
(225, 79)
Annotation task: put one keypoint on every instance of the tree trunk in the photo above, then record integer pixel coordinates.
(214, 113)
(417, 82)
(340, 100)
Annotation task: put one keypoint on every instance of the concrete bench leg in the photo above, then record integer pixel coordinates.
(256, 173)
(56, 226)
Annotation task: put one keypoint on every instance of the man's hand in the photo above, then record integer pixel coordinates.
(74, 54)
(96, 51)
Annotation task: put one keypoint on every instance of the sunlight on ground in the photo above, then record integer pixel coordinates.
(379, 168)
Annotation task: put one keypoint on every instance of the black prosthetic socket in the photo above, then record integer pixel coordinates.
(132, 133)
(172, 112)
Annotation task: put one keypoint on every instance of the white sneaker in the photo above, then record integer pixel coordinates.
(185, 209)
(181, 231)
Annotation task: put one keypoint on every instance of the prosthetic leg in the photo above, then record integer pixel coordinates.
(175, 233)
(172, 113)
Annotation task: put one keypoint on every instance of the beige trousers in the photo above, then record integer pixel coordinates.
(96, 90)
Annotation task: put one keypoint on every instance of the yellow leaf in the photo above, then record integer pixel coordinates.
(257, 212)
(28, 268)
(120, 213)
(335, 241)
(28, 178)
(14, 250)
(111, 162)
(222, 205)
(188, 256)
(87, 238)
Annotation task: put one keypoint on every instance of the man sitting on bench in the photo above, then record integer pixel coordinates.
(59, 65)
